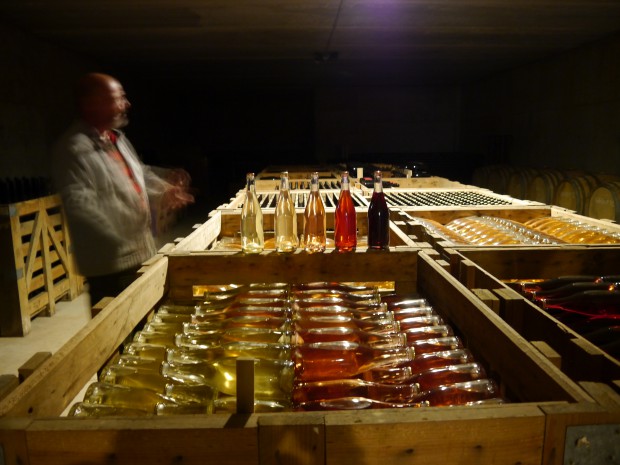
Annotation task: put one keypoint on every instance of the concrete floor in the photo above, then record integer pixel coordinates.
(48, 334)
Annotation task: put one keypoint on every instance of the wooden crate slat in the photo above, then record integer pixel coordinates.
(297, 439)
(186, 270)
(197, 440)
(512, 434)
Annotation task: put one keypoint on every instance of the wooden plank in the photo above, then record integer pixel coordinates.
(292, 439)
(467, 273)
(13, 441)
(186, 270)
(50, 389)
(193, 439)
(32, 364)
(488, 298)
(201, 237)
(444, 215)
(548, 352)
(47, 263)
(544, 262)
(512, 307)
(100, 306)
(603, 394)
(529, 374)
(436, 436)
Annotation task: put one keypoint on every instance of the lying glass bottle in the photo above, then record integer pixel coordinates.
(341, 333)
(353, 387)
(354, 403)
(272, 378)
(335, 360)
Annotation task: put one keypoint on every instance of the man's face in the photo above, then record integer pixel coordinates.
(117, 106)
(109, 106)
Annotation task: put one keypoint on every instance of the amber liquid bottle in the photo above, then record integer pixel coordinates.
(378, 217)
(286, 218)
(315, 221)
(345, 222)
(252, 236)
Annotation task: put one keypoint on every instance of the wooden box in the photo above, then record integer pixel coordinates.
(36, 263)
(408, 218)
(531, 430)
(487, 268)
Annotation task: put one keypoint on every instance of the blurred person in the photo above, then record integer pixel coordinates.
(106, 190)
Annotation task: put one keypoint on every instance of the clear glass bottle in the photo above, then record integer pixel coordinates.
(252, 235)
(378, 217)
(286, 218)
(345, 222)
(315, 221)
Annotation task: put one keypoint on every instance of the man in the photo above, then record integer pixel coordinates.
(106, 189)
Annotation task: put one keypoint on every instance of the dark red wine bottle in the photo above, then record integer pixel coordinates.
(378, 217)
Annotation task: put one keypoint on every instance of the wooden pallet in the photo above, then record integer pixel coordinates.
(531, 430)
(36, 262)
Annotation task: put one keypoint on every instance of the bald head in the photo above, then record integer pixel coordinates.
(102, 102)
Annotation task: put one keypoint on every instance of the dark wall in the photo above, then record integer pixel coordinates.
(561, 113)
(219, 134)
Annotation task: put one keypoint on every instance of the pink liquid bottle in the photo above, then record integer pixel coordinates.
(345, 231)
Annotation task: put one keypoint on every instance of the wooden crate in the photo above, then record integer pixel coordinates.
(226, 224)
(532, 430)
(408, 219)
(485, 268)
(36, 262)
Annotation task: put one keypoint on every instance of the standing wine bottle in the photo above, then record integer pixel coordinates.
(252, 235)
(378, 217)
(286, 218)
(345, 222)
(315, 222)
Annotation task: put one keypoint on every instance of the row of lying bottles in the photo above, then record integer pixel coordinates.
(314, 237)
(443, 198)
(489, 230)
(315, 346)
(588, 304)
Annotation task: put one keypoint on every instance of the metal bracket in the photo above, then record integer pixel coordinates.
(592, 444)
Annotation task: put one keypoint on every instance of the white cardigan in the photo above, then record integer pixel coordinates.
(110, 225)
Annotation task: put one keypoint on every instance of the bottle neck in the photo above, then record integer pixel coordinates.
(284, 183)
(314, 183)
(344, 182)
(378, 183)
(250, 184)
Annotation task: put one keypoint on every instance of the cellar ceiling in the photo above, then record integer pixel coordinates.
(316, 41)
